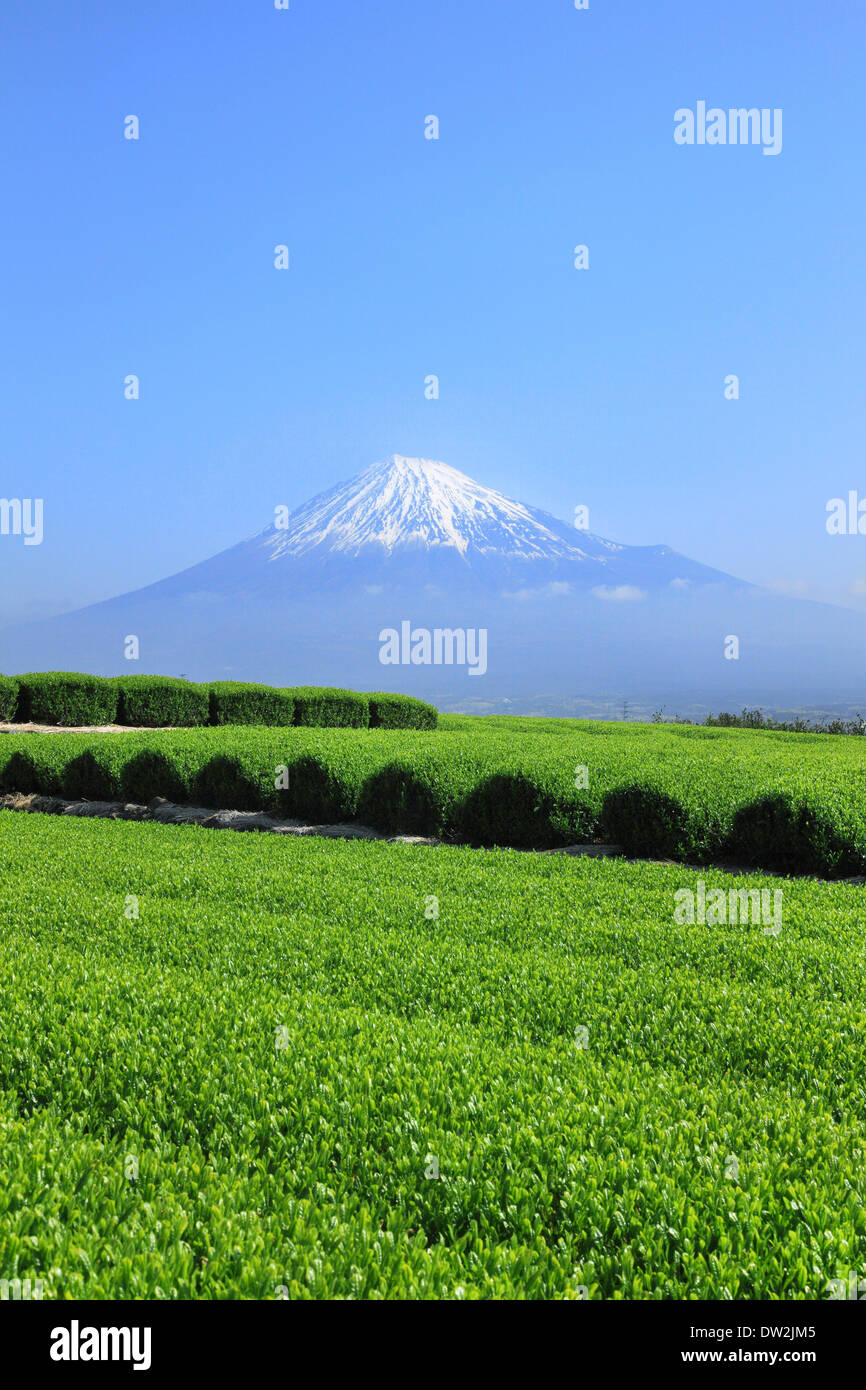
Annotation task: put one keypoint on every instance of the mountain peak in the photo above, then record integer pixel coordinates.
(409, 473)
(403, 466)
(414, 503)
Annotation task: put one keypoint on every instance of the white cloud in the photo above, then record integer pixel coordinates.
(620, 593)
(555, 589)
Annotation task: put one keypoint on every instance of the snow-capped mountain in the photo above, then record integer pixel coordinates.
(407, 522)
(405, 502)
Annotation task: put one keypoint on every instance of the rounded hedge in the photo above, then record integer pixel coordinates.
(327, 707)
(400, 712)
(66, 697)
(160, 702)
(239, 702)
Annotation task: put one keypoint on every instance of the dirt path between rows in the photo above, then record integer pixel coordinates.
(168, 813)
(86, 728)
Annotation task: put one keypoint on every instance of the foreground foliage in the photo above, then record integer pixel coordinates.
(230, 1067)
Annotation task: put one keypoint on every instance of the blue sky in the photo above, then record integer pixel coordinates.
(409, 257)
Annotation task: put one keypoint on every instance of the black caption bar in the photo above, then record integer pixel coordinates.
(141, 1340)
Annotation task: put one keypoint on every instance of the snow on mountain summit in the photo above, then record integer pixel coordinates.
(411, 503)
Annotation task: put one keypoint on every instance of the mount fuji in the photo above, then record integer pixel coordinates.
(414, 544)
(407, 522)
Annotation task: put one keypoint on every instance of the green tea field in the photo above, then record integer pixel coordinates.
(251, 1067)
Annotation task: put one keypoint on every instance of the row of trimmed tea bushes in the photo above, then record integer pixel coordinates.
(726, 796)
(321, 1093)
(393, 780)
(68, 697)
